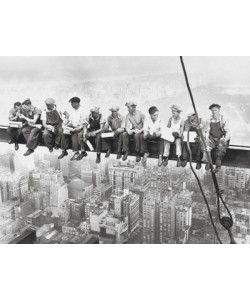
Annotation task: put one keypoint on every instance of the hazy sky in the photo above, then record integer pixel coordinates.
(232, 70)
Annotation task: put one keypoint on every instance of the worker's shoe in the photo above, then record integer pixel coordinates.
(28, 152)
(118, 155)
(16, 146)
(75, 156)
(98, 158)
(64, 153)
(56, 147)
(165, 161)
(107, 154)
(178, 162)
(184, 163)
(207, 166)
(160, 161)
(145, 156)
(125, 156)
(81, 155)
(198, 165)
(138, 157)
(51, 149)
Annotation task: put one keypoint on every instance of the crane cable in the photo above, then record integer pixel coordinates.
(226, 222)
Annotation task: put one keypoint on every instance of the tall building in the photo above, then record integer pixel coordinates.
(13, 186)
(77, 209)
(240, 178)
(87, 173)
(58, 194)
(149, 220)
(124, 176)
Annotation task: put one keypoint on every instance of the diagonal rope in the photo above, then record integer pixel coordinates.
(226, 222)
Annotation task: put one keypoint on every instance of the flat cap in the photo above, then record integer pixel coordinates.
(190, 112)
(131, 103)
(114, 108)
(176, 107)
(95, 109)
(214, 105)
(50, 101)
(75, 99)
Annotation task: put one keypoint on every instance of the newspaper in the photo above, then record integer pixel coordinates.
(192, 136)
(166, 134)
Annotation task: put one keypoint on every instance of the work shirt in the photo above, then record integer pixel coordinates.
(115, 122)
(34, 111)
(76, 116)
(13, 114)
(153, 127)
(135, 120)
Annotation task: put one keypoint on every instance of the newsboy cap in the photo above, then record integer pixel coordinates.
(214, 105)
(131, 103)
(176, 107)
(95, 109)
(50, 101)
(75, 99)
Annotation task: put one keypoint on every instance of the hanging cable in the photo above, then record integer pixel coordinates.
(201, 189)
(226, 222)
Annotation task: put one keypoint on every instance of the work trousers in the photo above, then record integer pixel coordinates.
(144, 143)
(52, 138)
(219, 147)
(96, 140)
(14, 133)
(77, 141)
(196, 148)
(31, 135)
(106, 142)
(137, 141)
(167, 147)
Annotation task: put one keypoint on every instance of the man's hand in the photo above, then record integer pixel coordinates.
(157, 133)
(21, 116)
(175, 134)
(119, 130)
(49, 127)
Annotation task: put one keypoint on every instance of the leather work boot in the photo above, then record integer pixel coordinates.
(81, 155)
(118, 156)
(28, 152)
(16, 146)
(64, 153)
(165, 161)
(198, 165)
(138, 157)
(125, 156)
(178, 162)
(107, 154)
(144, 160)
(75, 156)
(160, 161)
(184, 163)
(207, 166)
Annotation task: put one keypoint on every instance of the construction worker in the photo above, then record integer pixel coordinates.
(176, 125)
(52, 119)
(152, 132)
(191, 125)
(95, 123)
(31, 132)
(116, 122)
(217, 134)
(15, 133)
(75, 122)
(134, 128)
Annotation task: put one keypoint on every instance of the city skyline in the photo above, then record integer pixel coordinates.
(115, 202)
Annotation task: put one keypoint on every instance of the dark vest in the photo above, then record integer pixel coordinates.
(31, 115)
(53, 118)
(94, 124)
